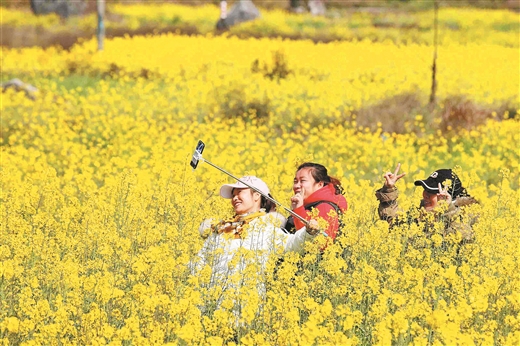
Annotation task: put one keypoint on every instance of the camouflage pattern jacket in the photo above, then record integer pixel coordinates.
(389, 211)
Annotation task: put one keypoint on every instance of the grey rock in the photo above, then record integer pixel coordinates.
(18, 85)
(64, 8)
(222, 25)
(241, 11)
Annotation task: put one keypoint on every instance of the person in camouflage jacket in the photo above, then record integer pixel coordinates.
(443, 184)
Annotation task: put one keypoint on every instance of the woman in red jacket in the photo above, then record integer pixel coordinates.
(315, 189)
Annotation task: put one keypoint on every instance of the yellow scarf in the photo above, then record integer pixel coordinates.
(235, 225)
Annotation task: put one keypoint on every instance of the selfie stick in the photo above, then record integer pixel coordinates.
(200, 158)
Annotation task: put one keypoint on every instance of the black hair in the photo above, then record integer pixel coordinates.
(266, 204)
(320, 174)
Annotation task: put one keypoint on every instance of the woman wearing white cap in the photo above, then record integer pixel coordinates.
(249, 237)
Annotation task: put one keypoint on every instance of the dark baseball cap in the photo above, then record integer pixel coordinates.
(431, 184)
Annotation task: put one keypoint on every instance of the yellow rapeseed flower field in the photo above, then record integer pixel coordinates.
(100, 209)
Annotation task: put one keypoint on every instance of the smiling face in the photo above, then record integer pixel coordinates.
(304, 181)
(429, 201)
(245, 201)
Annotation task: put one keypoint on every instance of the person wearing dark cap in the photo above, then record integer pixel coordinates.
(435, 189)
(441, 185)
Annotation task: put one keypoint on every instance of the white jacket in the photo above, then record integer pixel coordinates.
(261, 236)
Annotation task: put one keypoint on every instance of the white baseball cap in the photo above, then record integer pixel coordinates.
(226, 190)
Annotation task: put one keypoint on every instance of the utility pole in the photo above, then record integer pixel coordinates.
(435, 44)
(101, 23)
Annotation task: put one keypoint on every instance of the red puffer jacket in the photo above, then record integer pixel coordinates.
(326, 193)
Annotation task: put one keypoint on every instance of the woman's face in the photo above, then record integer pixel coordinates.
(305, 183)
(245, 201)
(429, 201)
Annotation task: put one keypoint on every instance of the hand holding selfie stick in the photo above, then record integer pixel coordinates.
(197, 156)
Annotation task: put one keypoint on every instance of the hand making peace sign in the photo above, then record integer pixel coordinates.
(392, 178)
(444, 194)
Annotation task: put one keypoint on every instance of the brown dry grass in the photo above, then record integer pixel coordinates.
(18, 37)
(457, 112)
(34, 36)
(393, 113)
(398, 114)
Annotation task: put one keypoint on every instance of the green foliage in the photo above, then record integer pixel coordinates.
(278, 69)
